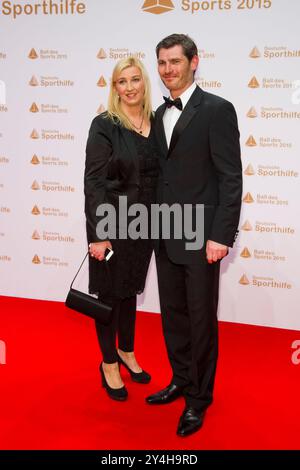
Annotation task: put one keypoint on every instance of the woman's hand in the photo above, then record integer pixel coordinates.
(97, 250)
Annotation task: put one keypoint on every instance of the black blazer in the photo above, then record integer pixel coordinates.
(111, 170)
(202, 166)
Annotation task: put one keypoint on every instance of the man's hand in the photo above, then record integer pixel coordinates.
(215, 251)
(97, 250)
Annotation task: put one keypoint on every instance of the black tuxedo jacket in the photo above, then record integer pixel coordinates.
(202, 166)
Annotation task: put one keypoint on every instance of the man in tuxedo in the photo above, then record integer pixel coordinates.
(198, 140)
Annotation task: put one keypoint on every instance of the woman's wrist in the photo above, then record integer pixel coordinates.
(106, 243)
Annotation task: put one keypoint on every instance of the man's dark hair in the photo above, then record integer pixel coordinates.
(188, 46)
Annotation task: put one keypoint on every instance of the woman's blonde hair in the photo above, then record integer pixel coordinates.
(114, 109)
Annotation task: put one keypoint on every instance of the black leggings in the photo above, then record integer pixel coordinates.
(122, 325)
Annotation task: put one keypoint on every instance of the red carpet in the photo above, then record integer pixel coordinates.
(51, 396)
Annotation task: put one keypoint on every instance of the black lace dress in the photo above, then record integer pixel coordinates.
(129, 264)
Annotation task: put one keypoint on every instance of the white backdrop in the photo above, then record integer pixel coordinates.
(55, 66)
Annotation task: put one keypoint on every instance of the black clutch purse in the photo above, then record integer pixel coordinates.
(87, 304)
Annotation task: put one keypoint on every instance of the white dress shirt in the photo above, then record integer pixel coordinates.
(172, 114)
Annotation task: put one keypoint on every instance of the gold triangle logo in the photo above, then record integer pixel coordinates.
(253, 83)
(251, 142)
(34, 134)
(101, 54)
(35, 210)
(254, 54)
(157, 6)
(101, 82)
(35, 185)
(244, 280)
(33, 81)
(35, 235)
(248, 198)
(36, 260)
(33, 54)
(245, 253)
(249, 170)
(33, 108)
(252, 113)
(35, 160)
(101, 109)
(247, 227)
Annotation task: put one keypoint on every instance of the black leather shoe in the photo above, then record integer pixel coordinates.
(140, 377)
(190, 421)
(119, 394)
(167, 395)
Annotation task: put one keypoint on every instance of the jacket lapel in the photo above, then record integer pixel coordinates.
(132, 152)
(186, 116)
(160, 130)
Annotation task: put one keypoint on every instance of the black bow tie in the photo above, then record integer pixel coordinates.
(177, 103)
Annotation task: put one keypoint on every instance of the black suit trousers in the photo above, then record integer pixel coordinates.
(189, 302)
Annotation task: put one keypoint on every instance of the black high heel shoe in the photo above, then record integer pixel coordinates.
(119, 394)
(139, 377)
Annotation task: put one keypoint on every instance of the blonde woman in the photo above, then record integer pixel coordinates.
(121, 160)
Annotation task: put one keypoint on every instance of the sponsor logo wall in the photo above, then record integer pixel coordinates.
(56, 59)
